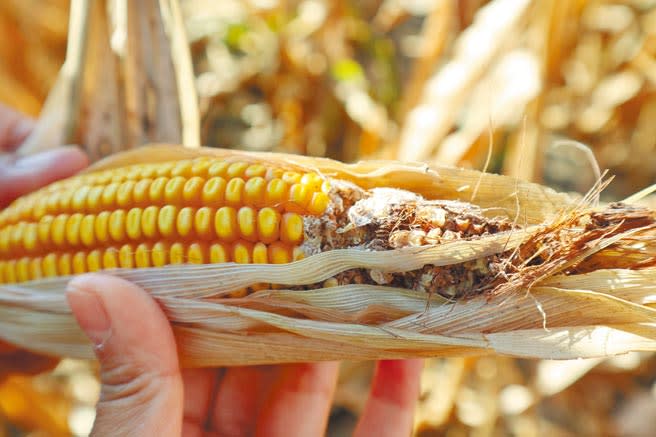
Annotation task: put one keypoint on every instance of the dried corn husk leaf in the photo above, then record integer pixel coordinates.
(547, 311)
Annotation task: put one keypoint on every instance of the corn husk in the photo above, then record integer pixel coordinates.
(550, 314)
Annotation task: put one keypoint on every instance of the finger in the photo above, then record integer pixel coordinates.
(141, 391)
(239, 399)
(14, 128)
(199, 390)
(24, 175)
(299, 402)
(391, 405)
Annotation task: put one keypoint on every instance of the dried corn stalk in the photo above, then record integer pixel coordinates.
(391, 260)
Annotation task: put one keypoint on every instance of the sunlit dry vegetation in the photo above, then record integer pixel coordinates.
(506, 86)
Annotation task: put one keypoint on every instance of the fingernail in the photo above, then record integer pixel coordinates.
(44, 159)
(90, 314)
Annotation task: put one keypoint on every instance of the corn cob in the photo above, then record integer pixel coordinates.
(245, 209)
(215, 210)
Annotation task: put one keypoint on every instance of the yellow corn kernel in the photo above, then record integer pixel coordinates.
(185, 221)
(119, 175)
(4, 238)
(173, 189)
(126, 256)
(177, 254)
(50, 265)
(65, 198)
(312, 180)
(276, 193)
(254, 191)
(218, 168)
(73, 225)
(58, 229)
(225, 223)
(166, 220)
(260, 253)
(108, 199)
(23, 269)
(213, 191)
(149, 218)
(30, 237)
(160, 254)
(193, 189)
(291, 228)
(79, 199)
(36, 270)
(279, 253)
(219, 253)
(299, 196)
(11, 215)
(3, 266)
(200, 167)
(196, 253)
(291, 177)
(94, 260)
(330, 282)
(52, 203)
(117, 225)
(142, 255)
(246, 220)
(255, 170)
(156, 191)
(10, 271)
(110, 259)
(101, 226)
(26, 205)
(165, 168)
(234, 192)
(124, 196)
(79, 263)
(182, 168)
(133, 223)
(141, 191)
(273, 173)
(203, 222)
(87, 230)
(102, 178)
(16, 235)
(268, 225)
(241, 252)
(148, 171)
(236, 169)
(94, 199)
(318, 203)
(40, 209)
(132, 172)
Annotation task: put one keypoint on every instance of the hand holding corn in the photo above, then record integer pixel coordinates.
(144, 389)
(18, 177)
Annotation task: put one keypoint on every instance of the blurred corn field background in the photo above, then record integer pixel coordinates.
(510, 86)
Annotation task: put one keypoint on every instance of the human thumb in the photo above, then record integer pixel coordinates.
(141, 390)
